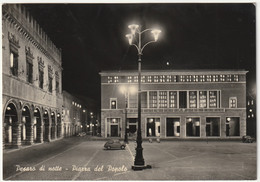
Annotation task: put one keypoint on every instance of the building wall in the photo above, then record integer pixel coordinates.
(22, 33)
(74, 115)
(233, 88)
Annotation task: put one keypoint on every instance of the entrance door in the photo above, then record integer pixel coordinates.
(114, 130)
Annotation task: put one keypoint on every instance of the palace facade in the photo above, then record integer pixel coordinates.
(175, 103)
(32, 81)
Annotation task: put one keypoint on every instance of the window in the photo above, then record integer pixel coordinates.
(153, 99)
(203, 99)
(50, 84)
(155, 79)
(29, 71)
(135, 79)
(57, 86)
(172, 127)
(173, 99)
(132, 100)
(41, 76)
(109, 79)
(129, 79)
(14, 63)
(162, 99)
(212, 126)
(232, 102)
(182, 99)
(116, 79)
(192, 127)
(213, 99)
(232, 126)
(113, 103)
(143, 99)
(193, 99)
(153, 127)
(236, 78)
(149, 79)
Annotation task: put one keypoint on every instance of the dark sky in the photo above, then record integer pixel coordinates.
(194, 36)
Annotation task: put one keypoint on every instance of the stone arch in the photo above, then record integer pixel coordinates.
(38, 125)
(26, 125)
(46, 125)
(53, 125)
(11, 125)
(59, 125)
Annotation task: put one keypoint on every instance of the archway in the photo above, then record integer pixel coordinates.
(26, 131)
(58, 125)
(10, 126)
(37, 137)
(53, 126)
(46, 123)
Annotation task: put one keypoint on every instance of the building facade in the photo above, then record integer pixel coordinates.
(32, 81)
(175, 103)
(74, 115)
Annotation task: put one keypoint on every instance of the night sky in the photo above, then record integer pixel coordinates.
(194, 36)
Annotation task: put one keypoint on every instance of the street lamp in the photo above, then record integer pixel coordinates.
(135, 39)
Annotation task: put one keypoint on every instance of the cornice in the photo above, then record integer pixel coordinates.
(18, 26)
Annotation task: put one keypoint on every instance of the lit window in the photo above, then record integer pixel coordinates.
(229, 78)
(149, 79)
(193, 99)
(162, 78)
(252, 115)
(203, 99)
(109, 79)
(135, 79)
(174, 78)
(116, 79)
(168, 78)
(202, 78)
(208, 78)
(143, 79)
(14, 63)
(162, 99)
(232, 102)
(153, 99)
(173, 99)
(213, 99)
(222, 78)
(195, 78)
(113, 103)
(155, 79)
(129, 78)
(236, 78)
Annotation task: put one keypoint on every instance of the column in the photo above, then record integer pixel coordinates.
(16, 135)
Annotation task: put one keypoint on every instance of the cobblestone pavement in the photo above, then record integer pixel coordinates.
(78, 158)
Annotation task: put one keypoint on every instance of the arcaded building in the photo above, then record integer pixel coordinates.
(74, 115)
(32, 81)
(175, 103)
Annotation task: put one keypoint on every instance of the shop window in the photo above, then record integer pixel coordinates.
(203, 99)
(153, 99)
(173, 99)
(182, 99)
(212, 126)
(153, 127)
(192, 127)
(173, 127)
(193, 99)
(232, 102)
(232, 126)
(113, 103)
(162, 99)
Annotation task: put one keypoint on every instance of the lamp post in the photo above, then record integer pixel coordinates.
(135, 39)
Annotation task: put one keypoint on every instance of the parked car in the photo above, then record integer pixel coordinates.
(248, 139)
(114, 144)
(82, 134)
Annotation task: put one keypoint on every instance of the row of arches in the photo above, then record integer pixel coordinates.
(26, 125)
